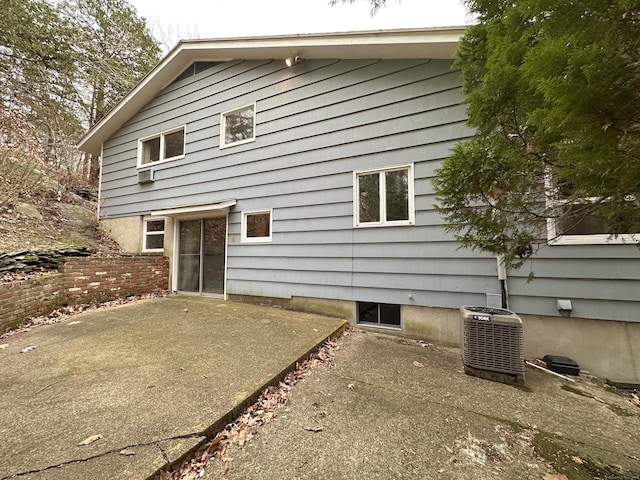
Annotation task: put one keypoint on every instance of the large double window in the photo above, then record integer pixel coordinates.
(384, 197)
(168, 145)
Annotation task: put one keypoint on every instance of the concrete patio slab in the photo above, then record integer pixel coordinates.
(389, 407)
(151, 378)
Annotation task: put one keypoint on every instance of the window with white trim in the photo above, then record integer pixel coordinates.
(576, 221)
(256, 226)
(238, 126)
(153, 235)
(163, 146)
(384, 197)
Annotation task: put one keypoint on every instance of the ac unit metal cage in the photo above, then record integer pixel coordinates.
(492, 344)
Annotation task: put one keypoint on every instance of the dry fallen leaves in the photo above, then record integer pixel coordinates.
(238, 433)
(65, 312)
(554, 476)
(91, 439)
(314, 429)
(577, 460)
(417, 364)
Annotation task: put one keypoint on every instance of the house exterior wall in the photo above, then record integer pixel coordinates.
(617, 358)
(316, 124)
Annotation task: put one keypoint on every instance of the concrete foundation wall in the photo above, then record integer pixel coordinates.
(607, 349)
(126, 231)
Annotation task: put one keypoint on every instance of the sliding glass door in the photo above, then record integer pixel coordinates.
(201, 255)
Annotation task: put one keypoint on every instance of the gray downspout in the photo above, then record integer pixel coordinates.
(502, 277)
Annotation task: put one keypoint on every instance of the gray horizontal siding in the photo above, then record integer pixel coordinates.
(316, 124)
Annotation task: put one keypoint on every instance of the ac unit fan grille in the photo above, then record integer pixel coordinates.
(493, 346)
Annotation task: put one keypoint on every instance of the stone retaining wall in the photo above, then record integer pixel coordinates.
(81, 280)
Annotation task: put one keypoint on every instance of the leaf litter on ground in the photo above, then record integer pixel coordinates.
(65, 312)
(272, 401)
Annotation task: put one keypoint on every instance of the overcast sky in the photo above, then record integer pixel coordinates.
(176, 19)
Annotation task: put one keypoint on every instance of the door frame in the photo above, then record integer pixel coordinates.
(176, 249)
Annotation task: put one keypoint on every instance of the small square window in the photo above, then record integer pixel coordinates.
(153, 235)
(381, 314)
(238, 126)
(256, 226)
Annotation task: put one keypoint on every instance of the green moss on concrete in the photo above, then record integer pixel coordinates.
(326, 308)
(621, 412)
(420, 329)
(567, 460)
(576, 391)
(516, 427)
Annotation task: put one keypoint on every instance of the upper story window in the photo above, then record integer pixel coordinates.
(167, 145)
(384, 197)
(576, 221)
(238, 126)
(153, 235)
(256, 226)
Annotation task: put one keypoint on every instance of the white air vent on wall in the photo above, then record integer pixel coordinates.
(146, 176)
(493, 341)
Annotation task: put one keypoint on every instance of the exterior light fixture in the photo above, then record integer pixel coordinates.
(291, 61)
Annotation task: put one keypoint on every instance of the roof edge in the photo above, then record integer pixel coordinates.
(432, 42)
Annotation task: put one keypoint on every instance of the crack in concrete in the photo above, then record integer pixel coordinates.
(155, 443)
(167, 463)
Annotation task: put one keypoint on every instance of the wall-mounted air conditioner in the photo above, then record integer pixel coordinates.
(146, 176)
(492, 344)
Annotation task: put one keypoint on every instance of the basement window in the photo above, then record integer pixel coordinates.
(379, 314)
(153, 235)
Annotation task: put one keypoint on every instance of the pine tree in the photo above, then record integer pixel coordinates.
(553, 91)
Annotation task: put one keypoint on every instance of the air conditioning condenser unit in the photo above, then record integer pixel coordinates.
(492, 344)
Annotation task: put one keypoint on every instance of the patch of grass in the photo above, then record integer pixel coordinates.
(567, 461)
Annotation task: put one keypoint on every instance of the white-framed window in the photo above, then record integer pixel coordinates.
(168, 145)
(574, 221)
(256, 226)
(238, 126)
(577, 225)
(383, 197)
(153, 234)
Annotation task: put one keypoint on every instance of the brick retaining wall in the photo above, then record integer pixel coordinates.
(81, 280)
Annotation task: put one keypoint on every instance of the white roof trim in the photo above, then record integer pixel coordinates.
(173, 212)
(438, 43)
